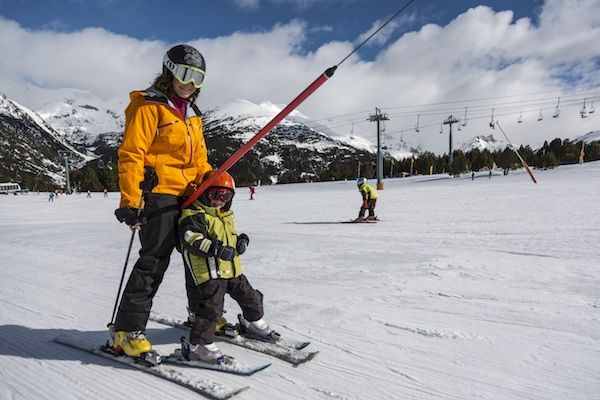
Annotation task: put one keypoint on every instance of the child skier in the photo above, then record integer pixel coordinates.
(369, 197)
(211, 248)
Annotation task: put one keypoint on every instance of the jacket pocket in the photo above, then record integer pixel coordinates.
(171, 134)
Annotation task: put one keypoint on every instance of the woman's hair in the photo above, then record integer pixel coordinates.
(164, 83)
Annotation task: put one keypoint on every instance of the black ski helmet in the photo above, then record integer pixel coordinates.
(186, 55)
(186, 64)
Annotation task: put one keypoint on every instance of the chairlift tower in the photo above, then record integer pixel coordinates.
(378, 117)
(450, 121)
(65, 155)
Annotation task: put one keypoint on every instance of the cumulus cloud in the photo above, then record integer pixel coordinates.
(481, 54)
(384, 34)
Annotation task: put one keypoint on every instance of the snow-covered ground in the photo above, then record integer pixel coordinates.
(484, 289)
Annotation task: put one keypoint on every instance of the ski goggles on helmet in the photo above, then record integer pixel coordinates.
(185, 73)
(219, 194)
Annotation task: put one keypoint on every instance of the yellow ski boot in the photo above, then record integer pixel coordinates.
(133, 343)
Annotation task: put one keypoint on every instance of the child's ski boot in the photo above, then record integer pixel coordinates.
(259, 330)
(208, 353)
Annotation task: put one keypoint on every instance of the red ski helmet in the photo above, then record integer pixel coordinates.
(221, 188)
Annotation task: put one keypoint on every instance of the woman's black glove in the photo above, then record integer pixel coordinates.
(131, 216)
(242, 243)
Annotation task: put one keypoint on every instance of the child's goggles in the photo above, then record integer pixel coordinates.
(185, 73)
(219, 194)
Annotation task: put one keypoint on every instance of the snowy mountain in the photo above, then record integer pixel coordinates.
(31, 149)
(81, 121)
(483, 142)
(588, 137)
(298, 149)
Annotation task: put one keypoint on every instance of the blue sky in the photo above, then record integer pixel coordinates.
(186, 20)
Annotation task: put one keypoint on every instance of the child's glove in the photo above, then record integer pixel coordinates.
(242, 243)
(131, 216)
(223, 252)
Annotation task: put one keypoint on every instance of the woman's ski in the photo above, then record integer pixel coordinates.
(205, 387)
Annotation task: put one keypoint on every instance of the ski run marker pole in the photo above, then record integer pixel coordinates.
(525, 165)
(235, 157)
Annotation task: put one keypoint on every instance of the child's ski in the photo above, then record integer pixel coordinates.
(227, 364)
(205, 387)
(283, 349)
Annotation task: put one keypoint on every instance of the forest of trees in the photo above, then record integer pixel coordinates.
(99, 174)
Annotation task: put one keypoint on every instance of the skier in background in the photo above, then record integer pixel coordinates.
(369, 200)
(211, 251)
(163, 131)
(252, 190)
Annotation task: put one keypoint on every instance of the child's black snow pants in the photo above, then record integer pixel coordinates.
(207, 300)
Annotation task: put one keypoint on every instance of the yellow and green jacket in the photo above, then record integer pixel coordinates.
(203, 225)
(157, 136)
(368, 192)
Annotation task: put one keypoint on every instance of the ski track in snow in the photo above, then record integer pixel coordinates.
(484, 289)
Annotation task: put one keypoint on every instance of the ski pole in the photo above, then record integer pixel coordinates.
(246, 147)
(525, 165)
(150, 180)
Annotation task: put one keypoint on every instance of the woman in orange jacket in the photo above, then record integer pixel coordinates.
(163, 131)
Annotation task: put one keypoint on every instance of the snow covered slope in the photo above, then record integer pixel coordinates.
(30, 147)
(483, 289)
(483, 142)
(588, 137)
(82, 120)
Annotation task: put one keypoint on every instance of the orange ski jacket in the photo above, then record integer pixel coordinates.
(158, 136)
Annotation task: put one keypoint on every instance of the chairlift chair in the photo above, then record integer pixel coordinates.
(557, 110)
(583, 111)
(417, 130)
(592, 109)
(540, 115)
(492, 122)
(464, 123)
(520, 120)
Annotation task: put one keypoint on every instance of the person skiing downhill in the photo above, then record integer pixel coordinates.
(211, 249)
(163, 130)
(369, 200)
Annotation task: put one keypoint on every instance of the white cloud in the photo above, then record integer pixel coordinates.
(480, 54)
(384, 34)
